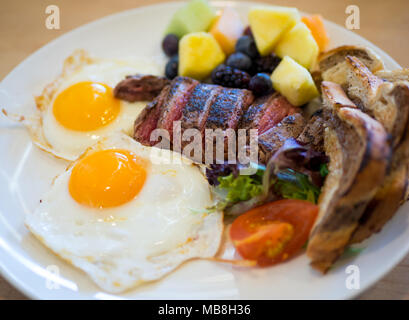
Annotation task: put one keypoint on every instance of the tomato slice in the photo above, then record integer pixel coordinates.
(273, 232)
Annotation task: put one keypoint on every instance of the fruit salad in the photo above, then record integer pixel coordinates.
(275, 49)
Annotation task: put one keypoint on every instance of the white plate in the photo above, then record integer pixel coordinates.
(26, 172)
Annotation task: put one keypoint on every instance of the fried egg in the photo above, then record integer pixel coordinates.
(125, 215)
(79, 107)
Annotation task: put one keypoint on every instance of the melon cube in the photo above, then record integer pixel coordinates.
(299, 44)
(199, 54)
(269, 23)
(294, 82)
(196, 15)
(227, 29)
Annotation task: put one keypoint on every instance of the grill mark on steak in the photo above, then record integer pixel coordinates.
(196, 111)
(266, 112)
(147, 120)
(180, 91)
(228, 108)
(140, 87)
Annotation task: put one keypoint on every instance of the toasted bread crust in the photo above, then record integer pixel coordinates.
(359, 152)
(393, 191)
(332, 64)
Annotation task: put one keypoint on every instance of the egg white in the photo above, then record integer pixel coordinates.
(142, 240)
(68, 144)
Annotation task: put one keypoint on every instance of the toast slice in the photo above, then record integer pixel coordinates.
(394, 189)
(358, 150)
(394, 75)
(382, 100)
(332, 63)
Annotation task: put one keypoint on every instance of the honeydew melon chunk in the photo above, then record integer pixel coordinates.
(269, 23)
(299, 44)
(199, 54)
(196, 15)
(294, 82)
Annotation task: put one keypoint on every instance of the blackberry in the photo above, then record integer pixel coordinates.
(230, 77)
(266, 64)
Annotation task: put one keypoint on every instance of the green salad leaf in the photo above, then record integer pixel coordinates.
(242, 187)
(324, 170)
(290, 184)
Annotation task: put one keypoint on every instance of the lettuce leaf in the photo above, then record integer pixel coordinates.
(290, 184)
(242, 187)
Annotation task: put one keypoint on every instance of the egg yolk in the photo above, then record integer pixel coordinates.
(86, 106)
(107, 178)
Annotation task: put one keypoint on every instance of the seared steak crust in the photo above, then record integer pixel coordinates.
(180, 90)
(147, 120)
(266, 112)
(313, 133)
(228, 108)
(272, 140)
(197, 108)
(140, 87)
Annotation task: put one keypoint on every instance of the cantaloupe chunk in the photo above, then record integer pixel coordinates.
(196, 15)
(316, 25)
(227, 29)
(299, 44)
(269, 23)
(199, 54)
(294, 82)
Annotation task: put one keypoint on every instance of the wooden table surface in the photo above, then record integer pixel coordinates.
(385, 23)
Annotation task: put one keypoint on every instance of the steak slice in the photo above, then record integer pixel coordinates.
(196, 111)
(273, 139)
(172, 109)
(266, 112)
(228, 108)
(147, 120)
(313, 133)
(140, 87)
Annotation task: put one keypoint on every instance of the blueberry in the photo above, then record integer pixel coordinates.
(170, 45)
(260, 84)
(171, 69)
(246, 45)
(239, 61)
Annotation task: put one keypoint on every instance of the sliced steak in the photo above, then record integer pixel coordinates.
(313, 133)
(172, 109)
(140, 87)
(228, 108)
(147, 120)
(196, 111)
(272, 140)
(266, 112)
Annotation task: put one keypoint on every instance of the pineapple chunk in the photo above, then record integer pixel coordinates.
(269, 24)
(199, 54)
(294, 82)
(299, 44)
(194, 16)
